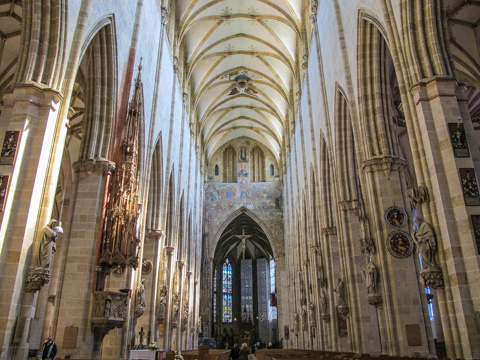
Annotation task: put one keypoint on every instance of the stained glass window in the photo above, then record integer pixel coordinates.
(227, 291)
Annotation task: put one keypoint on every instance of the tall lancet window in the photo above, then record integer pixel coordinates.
(229, 165)
(257, 168)
(227, 291)
(215, 296)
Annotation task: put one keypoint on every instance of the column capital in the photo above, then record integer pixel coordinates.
(169, 250)
(385, 163)
(154, 234)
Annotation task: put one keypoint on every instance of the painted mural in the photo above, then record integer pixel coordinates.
(263, 199)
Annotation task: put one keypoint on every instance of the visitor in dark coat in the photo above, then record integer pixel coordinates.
(235, 353)
(244, 351)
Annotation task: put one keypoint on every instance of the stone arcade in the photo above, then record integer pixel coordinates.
(300, 172)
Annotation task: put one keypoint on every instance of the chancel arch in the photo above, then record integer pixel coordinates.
(242, 262)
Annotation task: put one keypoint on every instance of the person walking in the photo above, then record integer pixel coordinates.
(49, 349)
(244, 351)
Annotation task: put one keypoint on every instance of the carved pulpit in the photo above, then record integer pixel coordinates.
(109, 312)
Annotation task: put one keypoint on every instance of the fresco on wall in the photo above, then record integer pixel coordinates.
(263, 199)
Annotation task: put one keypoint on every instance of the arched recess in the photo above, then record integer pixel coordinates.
(99, 68)
(170, 215)
(345, 148)
(229, 170)
(275, 243)
(327, 189)
(257, 159)
(246, 298)
(181, 244)
(155, 208)
(41, 57)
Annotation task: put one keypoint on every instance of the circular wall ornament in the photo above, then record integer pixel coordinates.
(399, 244)
(395, 217)
(118, 270)
(147, 267)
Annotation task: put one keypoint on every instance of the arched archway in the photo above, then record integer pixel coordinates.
(243, 292)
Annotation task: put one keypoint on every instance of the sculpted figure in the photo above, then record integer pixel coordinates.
(140, 299)
(426, 243)
(311, 307)
(296, 321)
(162, 305)
(340, 290)
(323, 302)
(48, 244)
(199, 325)
(371, 278)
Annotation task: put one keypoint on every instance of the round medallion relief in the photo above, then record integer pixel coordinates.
(147, 267)
(118, 270)
(395, 217)
(399, 244)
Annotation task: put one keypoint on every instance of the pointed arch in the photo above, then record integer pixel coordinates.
(345, 147)
(327, 185)
(229, 164)
(100, 63)
(155, 189)
(243, 210)
(375, 66)
(170, 215)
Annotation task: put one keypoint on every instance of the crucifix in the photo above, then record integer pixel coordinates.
(141, 333)
(244, 238)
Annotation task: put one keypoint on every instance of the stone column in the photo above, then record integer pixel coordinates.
(155, 237)
(438, 102)
(33, 111)
(177, 333)
(82, 239)
(167, 335)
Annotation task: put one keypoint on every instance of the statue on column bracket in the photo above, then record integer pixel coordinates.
(342, 304)
(162, 305)
(324, 315)
(296, 323)
(424, 237)
(175, 310)
(41, 275)
(313, 320)
(304, 318)
(140, 299)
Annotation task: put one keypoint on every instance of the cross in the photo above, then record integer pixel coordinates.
(244, 238)
(141, 333)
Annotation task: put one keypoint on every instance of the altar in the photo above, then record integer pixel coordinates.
(147, 354)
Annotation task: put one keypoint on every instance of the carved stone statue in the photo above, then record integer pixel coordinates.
(371, 278)
(426, 243)
(340, 290)
(323, 302)
(313, 320)
(296, 322)
(140, 298)
(162, 305)
(199, 325)
(48, 244)
(304, 318)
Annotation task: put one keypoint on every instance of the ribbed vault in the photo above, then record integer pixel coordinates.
(241, 61)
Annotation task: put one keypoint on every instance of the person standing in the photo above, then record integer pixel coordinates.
(235, 352)
(244, 351)
(49, 349)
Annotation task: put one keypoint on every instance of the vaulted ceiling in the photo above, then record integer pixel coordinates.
(241, 64)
